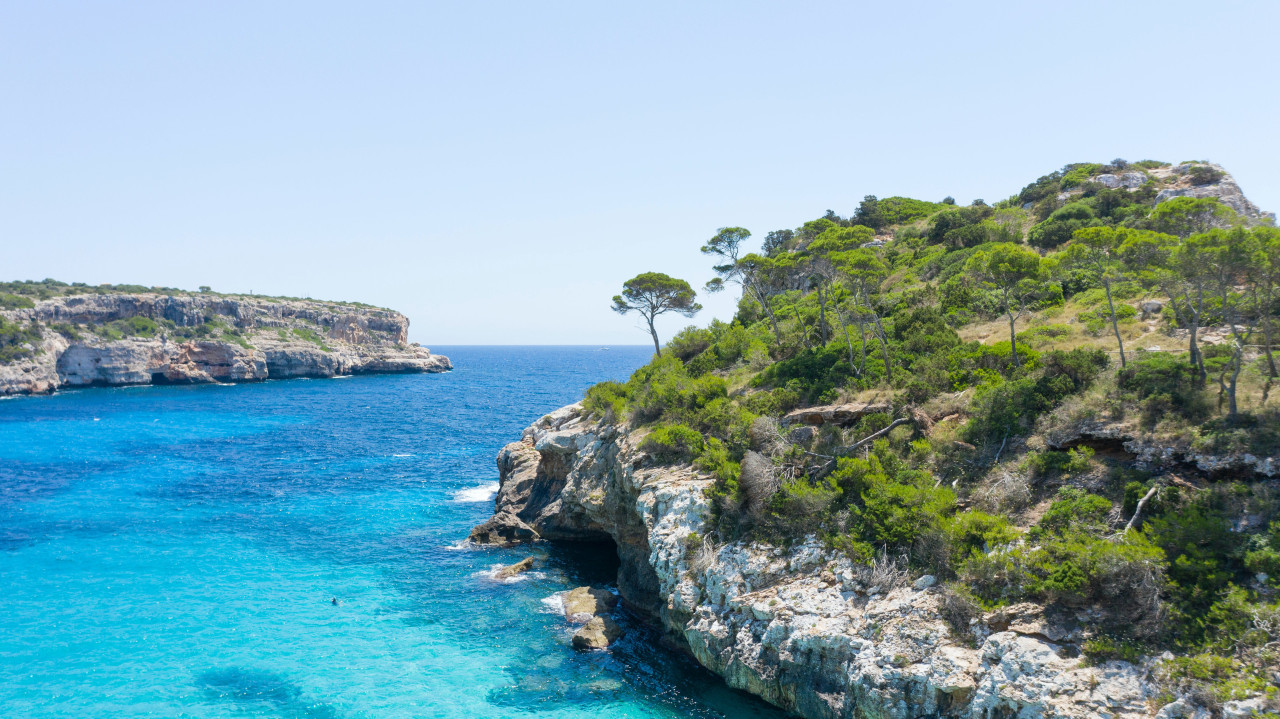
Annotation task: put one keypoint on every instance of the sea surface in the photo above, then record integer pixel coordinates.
(174, 552)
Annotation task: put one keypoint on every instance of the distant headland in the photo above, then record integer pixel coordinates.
(54, 334)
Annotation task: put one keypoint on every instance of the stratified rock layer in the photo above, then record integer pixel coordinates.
(799, 627)
(277, 339)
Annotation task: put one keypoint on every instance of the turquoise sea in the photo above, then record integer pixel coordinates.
(173, 552)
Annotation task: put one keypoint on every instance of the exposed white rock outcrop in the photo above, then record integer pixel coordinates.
(799, 627)
(277, 339)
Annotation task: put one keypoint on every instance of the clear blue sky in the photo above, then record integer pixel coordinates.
(496, 170)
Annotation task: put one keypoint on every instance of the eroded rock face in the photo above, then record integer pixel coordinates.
(796, 626)
(278, 339)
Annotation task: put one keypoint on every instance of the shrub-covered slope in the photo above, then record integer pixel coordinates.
(1064, 397)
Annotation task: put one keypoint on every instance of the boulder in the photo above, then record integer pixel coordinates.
(1150, 308)
(512, 570)
(502, 529)
(1110, 181)
(587, 601)
(1133, 180)
(924, 582)
(598, 633)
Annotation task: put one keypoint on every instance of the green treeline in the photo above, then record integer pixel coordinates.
(987, 331)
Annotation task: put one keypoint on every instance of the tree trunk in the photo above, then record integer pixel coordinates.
(862, 335)
(1237, 362)
(764, 302)
(804, 333)
(1266, 337)
(847, 340)
(884, 349)
(822, 315)
(1115, 326)
(1013, 341)
(1196, 358)
(657, 348)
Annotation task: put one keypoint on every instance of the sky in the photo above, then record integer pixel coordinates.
(496, 171)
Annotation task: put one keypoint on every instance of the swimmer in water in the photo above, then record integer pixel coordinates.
(335, 601)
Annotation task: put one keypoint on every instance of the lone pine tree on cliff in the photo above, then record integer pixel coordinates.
(652, 294)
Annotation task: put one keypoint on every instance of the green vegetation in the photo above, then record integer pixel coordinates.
(18, 341)
(990, 333)
(652, 294)
(311, 336)
(45, 289)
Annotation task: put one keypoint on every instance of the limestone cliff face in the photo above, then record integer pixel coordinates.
(802, 628)
(276, 339)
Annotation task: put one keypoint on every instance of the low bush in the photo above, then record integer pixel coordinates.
(673, 443)
(1163, 383)
(15, 302)
(1098, 320)
(606, 401)
(18, 341)
(1051, 463)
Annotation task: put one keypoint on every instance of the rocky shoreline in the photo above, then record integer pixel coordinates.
(802, 628)
(240, 339)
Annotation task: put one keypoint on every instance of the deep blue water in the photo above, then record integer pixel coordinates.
(172, 552)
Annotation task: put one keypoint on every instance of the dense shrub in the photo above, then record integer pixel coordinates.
(607, 401)
(1204, 175)
(1076, 510)
(816, 372)
(690, 342)
(1001, 408)
(1203, 556)
(663, 389)
(15, 302)
(1058, 228)
(1099, 320)
(1163, 383)
(1049, 463)
(673, 443)
(18, 341)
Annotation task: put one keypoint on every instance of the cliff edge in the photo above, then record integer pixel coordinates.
(110, 339)
(803, 628)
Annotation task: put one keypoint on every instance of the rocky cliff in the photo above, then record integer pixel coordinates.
(127, 339)
(803, 628)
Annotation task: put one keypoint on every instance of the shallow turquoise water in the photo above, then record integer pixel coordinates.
(172, 552)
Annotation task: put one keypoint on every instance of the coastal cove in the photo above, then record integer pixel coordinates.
(173, 551)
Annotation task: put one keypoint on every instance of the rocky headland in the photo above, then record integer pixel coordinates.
(803, 627)
(111, 339)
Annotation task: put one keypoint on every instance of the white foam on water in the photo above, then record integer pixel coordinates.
(553, 604)
(464, 545)
(492, 575)
(402, 455)
(483, 493)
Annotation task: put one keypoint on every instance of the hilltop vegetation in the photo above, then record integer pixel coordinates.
(972, 338)
(24, 293)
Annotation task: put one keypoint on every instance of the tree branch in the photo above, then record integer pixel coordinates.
(1137, 511)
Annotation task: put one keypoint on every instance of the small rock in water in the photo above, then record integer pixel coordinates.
(598, 633)
(512, 570)
(587, 601)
